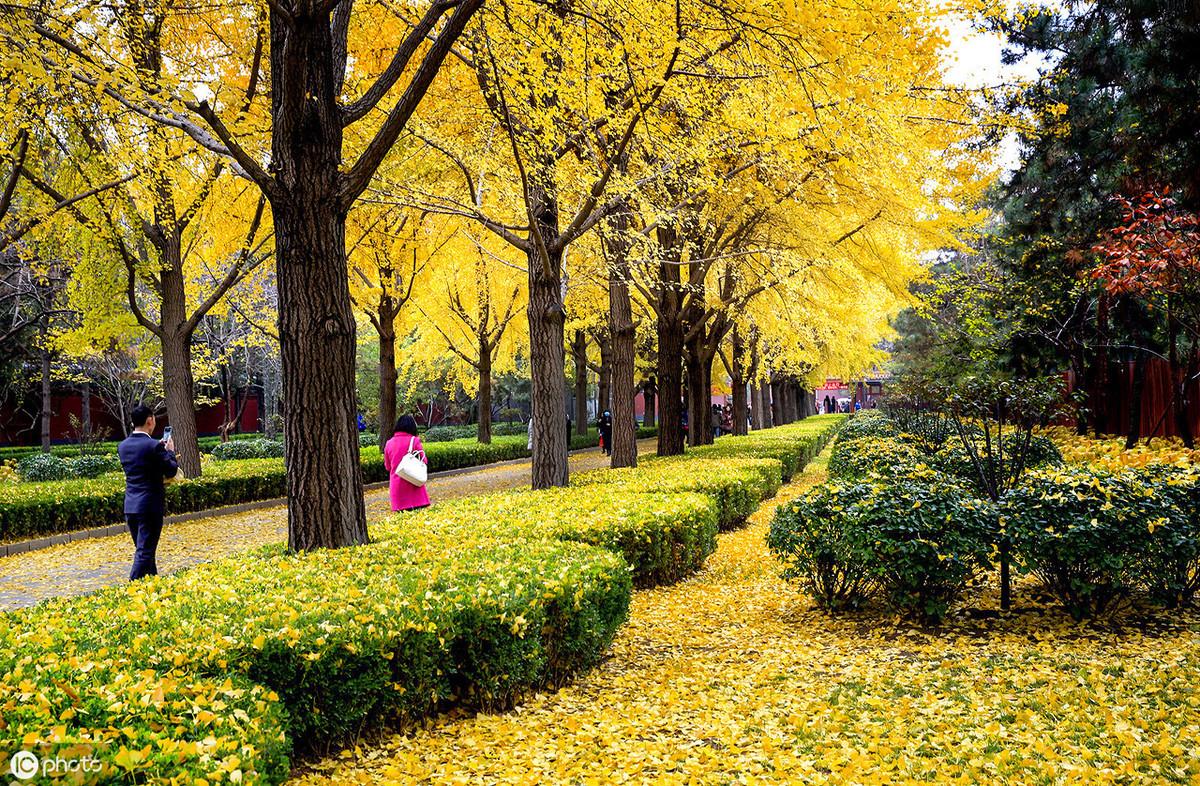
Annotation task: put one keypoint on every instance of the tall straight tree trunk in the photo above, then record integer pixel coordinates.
(579, 356)
(670, 348)
(316, 320)
(1134, 432)
(46, 398)
(623, 352)
(484, 393)
(776, 388)
(604, 383)
(548, 397)
(738, 379)
(764, 392)
(757, 421)
(387, 370)
(699, 383)
(179, 386)
(649, 403)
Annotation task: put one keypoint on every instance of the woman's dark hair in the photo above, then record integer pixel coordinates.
(406, 424)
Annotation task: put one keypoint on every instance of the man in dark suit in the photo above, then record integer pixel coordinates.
(147, 464)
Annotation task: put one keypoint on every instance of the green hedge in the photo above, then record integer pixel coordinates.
(14, 452)
(664, 537)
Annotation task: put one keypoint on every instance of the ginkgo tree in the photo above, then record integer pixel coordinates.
(339, 98)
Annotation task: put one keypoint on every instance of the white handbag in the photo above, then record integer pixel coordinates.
(412, 467)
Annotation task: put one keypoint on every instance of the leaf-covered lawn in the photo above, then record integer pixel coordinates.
(87, 565)
(732, 677)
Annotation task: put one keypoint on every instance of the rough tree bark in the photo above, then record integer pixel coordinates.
(386, 329)
(670, 346)
(316, 321)
(579, 357)
(768, 405)
(604, 374)
(623, 352)
(737, 374)
(484, 391)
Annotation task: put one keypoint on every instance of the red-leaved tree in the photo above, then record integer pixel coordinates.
(1154, 256)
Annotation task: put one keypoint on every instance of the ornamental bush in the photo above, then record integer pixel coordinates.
(92, 466)
(248, 449)
(43, 466)
(737, 486)
(928, 539)
(810, 537)
(916, 537)
(869, 423)
(856, 458)
(1170, 571)
(1084, 532)
(954, 459)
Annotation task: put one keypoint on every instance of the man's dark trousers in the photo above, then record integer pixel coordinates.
(145, 528)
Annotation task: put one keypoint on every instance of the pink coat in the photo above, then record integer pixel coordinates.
(405, 496)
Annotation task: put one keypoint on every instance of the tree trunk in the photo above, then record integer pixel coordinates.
(46, 398)
(670, 348)
(604, 383)
(776, 388)
(484, 396)
(699, 382)
(387, 369)
(179, 387)
(738, 381)
(1179, 379)
(1135, 404)
(623, 352)
(548, 395)
(756, 407)
(649, 403)
(316, 320)
(579, 355)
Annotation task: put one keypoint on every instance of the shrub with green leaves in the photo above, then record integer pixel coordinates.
(1083, 532)
(92, 466)
(248, 449)
(918, 538)
(954, 458)
(869, 423)
(1170, 571)
(859, 457)
(810, 537)
(928, 538)
(42, 467)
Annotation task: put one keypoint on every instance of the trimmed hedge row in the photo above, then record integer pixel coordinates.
(207, 444)
(217, 672)
(35, 509)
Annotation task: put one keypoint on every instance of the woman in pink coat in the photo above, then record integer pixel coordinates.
(405, 496)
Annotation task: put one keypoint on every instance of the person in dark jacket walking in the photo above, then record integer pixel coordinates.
(606, 432)
(148, 464)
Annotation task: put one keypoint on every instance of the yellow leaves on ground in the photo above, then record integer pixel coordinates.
(1110, 452)
(731, 677)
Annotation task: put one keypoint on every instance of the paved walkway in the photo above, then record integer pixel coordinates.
(84, 566)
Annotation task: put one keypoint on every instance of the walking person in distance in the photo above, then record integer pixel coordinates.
(605, 425)
(405, 495)
(148, 464)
